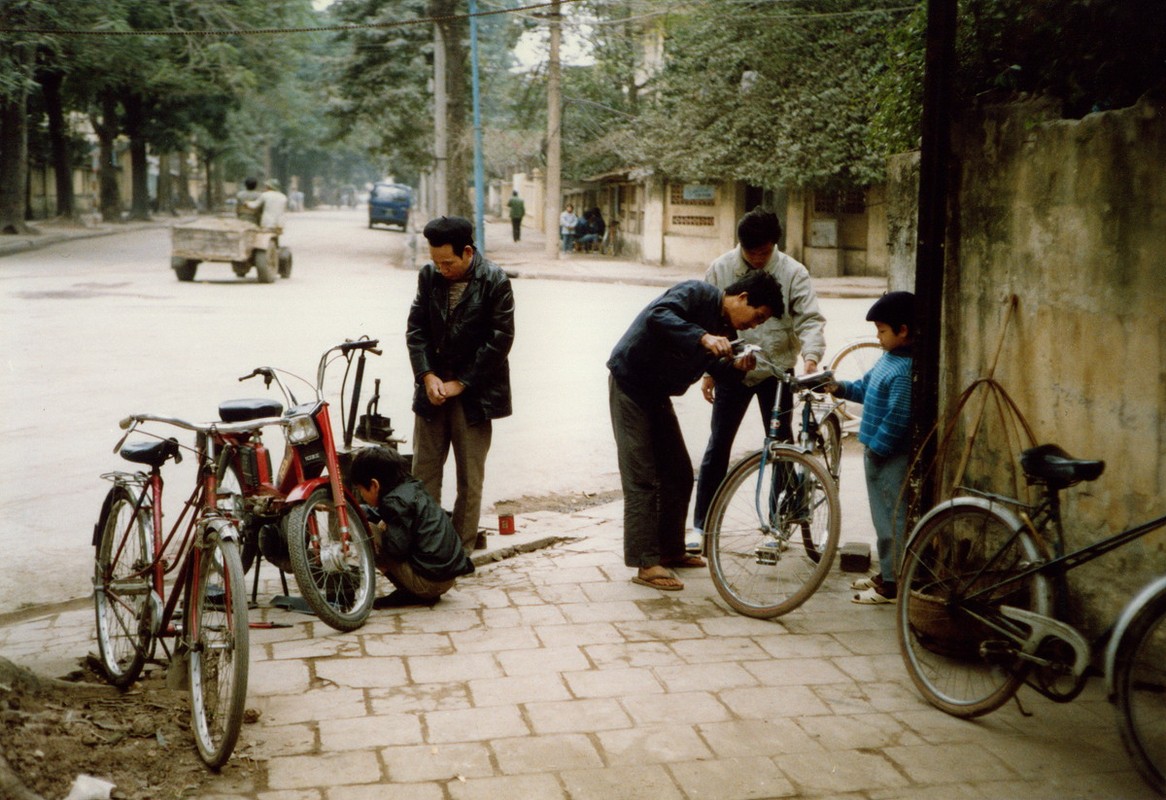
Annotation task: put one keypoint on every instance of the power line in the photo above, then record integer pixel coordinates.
(356, 26)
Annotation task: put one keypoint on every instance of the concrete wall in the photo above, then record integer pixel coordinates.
(1070, 217)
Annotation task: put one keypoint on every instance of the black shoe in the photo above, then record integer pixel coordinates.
(401, 598)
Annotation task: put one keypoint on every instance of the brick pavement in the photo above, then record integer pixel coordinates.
(550, 675)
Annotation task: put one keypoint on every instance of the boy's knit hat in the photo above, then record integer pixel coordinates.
(895, 309)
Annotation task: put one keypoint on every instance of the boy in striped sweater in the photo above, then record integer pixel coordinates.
(885, 394)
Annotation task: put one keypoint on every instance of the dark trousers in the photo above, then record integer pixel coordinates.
(516, 224)
(730, 402)
(656, 474)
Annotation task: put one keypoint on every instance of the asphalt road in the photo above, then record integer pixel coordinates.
(98, 328)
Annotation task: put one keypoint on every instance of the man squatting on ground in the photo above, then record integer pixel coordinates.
(678, 337)
(800, 330)
(417, 548)
(459, 333)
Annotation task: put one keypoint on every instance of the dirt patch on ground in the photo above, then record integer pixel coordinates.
(562, 502)
(53, 731)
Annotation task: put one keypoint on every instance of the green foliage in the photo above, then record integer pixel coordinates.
(771, 94)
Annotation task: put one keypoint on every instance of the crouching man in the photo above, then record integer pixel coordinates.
(416, 545)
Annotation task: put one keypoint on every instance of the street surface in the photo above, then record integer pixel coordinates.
(99, 328)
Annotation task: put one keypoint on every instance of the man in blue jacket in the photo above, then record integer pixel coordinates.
(681, 335)
(459, 334)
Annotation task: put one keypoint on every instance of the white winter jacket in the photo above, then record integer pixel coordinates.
(800, 330)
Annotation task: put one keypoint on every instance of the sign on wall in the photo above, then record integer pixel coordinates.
(699, 191)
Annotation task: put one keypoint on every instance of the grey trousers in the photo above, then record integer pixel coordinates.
(432, 439)
(884, 481)
(656, 473)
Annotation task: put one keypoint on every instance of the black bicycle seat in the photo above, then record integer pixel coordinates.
(153, 453)
(247, 410)
(1051, 464)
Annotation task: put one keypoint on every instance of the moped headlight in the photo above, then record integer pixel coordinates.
(301, 430)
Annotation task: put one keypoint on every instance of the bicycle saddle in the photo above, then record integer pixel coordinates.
(152, 453)
(247, 410)
(1051, 464)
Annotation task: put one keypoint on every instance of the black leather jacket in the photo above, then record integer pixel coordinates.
(470, 344)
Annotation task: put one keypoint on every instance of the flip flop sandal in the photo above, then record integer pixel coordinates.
(657, 582)
(686, 561)
(870, 581)
(872, 597)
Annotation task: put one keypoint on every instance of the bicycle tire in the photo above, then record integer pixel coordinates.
(1139, 683)
(220, 657)
(830, 443)
(232, 503)
(766, 570)
(336, 578)
(123, 588)
(851, 363)
(960, 665)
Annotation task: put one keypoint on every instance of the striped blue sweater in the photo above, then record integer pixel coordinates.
(885, 394)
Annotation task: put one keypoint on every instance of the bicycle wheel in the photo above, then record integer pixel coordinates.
(950, 638)
(772, 533)
(830, 444)
(232, 503)
(335, 576)
(851, 363)
(219, 650)
(1139, 682)
(122, 589)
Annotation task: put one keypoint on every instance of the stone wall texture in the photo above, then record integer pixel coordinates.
(1068, 217)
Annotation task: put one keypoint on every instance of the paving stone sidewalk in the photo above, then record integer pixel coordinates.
(550, 675)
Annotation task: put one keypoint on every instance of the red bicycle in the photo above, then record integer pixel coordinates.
(301, 519)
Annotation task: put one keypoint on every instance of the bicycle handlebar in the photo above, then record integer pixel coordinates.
(132, 421)
(812, 381)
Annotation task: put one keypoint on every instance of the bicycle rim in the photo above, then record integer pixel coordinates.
(767, 567)
(1140, 693)
(335, 575)
(216, 615)
(960, 664)
(122, 592)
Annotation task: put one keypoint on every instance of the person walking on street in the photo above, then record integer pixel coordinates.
(517, 212)
(680, 335)
(800, 330)
(459, 333)
(567, 223)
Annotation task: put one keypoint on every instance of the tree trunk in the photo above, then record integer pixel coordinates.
(107, 176)
(461, 150)
(139, 164)
(185, 202)
(13, 164)
(50, 83)
(165, 185)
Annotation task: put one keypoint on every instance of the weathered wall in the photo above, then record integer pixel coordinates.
(1070, 217)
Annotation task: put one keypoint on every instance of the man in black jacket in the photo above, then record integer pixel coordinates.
(459, 333)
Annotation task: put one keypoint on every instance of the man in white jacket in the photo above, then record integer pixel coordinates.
(799, 331)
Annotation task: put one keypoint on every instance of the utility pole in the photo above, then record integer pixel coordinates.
(554, 139)
(479, 176)
(440, 130)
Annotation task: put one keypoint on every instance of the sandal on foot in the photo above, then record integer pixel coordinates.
(868, 582)
(665, 583)
(874, 596)
(684, 561)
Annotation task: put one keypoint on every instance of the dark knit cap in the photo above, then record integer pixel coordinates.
(895, 309)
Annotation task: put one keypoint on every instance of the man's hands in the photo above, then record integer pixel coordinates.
(438, 391)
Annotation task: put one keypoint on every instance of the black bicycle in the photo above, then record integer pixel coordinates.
(980, 616)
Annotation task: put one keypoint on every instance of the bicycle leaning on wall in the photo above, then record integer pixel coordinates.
(772, 527)
(979, 617)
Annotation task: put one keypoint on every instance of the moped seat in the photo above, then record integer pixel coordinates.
(1051, 464)
(247, 410)
(153, 453)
